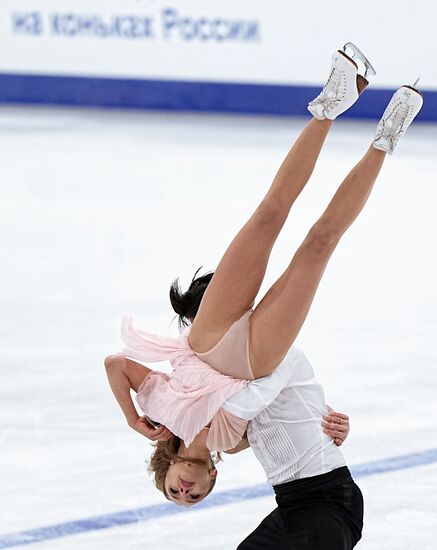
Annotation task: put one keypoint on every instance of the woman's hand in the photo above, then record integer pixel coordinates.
(144, 427)
(336, 425)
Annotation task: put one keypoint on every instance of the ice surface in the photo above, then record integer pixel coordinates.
(100, 211)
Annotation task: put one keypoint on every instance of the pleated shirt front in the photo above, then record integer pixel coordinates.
(285, 410)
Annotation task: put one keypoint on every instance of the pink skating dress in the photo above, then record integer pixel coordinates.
(191, 397)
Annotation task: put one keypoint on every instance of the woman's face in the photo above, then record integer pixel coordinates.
(187, 483)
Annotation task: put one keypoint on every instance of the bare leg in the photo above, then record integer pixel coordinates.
(239, 275)
(278, 318)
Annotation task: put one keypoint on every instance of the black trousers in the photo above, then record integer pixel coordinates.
(323, 512)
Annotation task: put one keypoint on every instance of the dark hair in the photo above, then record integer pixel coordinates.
(187, 303)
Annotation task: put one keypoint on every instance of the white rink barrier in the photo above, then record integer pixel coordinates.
(233, 55)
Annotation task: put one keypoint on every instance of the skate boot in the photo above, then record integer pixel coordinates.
(399, 114)
(344, 84)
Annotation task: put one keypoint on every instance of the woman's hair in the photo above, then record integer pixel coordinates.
(187, 303)
(167, 451)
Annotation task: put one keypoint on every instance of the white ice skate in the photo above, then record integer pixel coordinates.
(399, 114)
(344, 84)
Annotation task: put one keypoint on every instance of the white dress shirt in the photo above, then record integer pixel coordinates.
(285, 410)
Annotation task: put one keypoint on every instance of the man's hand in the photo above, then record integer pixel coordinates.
(143, 426)
(336, 425)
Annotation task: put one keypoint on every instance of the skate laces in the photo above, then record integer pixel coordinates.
(396, 122)
(333, 91)
(333, 82)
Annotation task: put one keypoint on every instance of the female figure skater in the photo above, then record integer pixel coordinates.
(226, 335)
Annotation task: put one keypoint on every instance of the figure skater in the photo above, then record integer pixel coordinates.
(319, 506)
(287, 415)
(225, 335)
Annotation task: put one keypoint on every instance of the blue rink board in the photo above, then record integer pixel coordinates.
(187, 96)
(127, 517)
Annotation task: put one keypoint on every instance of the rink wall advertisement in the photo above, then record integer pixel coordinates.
(230, 55)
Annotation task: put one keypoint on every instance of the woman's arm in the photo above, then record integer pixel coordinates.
(124, 375)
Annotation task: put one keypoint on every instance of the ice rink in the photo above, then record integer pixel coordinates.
(100, 211)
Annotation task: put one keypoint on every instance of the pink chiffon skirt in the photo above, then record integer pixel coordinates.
(191, 397)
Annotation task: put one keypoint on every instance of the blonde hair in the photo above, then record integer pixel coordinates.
(166, 452)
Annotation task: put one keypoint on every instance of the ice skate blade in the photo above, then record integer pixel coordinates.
(356, 53)
(348, 58)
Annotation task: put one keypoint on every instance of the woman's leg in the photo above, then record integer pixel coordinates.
(279, 317)
(239, 275)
